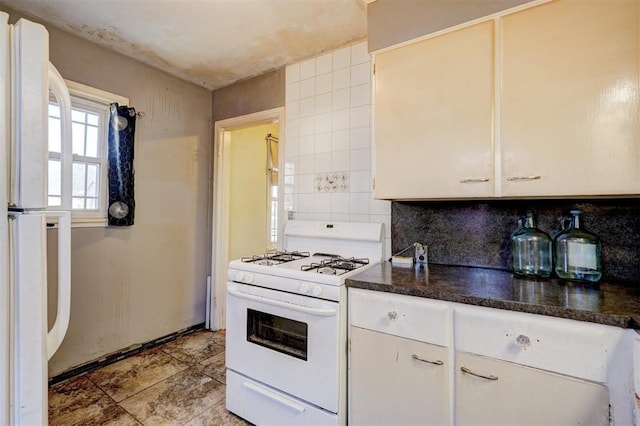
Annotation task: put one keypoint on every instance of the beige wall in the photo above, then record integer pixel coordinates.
(254, 95)
(248, 190)
(394, 21)
(132, 285)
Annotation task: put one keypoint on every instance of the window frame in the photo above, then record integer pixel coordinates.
(96, 101)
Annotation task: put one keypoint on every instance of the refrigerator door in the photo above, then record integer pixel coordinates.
(28, 277)
(5, 297)
(34, 82)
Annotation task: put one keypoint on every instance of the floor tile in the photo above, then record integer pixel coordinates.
(214, 367)
(81, 402)
(196, 347)
(177, 399)
(131, 375)
(219, 416)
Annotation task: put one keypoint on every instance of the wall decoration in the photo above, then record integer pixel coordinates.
(122, 128)
(332, 182)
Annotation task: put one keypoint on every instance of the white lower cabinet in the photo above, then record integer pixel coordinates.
(489, 391)
(420, 361)
(397, 381)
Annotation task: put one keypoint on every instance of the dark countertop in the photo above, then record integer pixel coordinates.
(610, 303)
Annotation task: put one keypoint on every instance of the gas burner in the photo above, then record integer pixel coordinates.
(275, 258)
(336, 265)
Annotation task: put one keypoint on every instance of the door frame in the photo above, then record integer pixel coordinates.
(220, 209)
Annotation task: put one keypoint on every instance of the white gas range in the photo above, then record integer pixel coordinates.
(286, 323)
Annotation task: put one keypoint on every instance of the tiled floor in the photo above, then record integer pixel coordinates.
(179, 383)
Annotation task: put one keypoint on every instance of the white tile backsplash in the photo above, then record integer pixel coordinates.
(359, 53)
(324, 64)
(340, 119)
(361, 137)
(328, 133)
(341, 99)
(307, 69)
(341, 78)
(307, 88)
(323, 123)
(360, 74)
(292, 73)
(307, 107)
(341, 58)
(292, 92)
(324, 83)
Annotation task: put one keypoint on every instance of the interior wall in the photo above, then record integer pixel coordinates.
(395, 21)
(134, 284)
(327, 147)
(257, 94)
(248, 208)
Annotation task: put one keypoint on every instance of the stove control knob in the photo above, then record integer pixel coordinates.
(317, 291)
(304, 287)
(249, 278)
(240, 276)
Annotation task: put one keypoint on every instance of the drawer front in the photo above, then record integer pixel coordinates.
(570, 347)
(404, 316)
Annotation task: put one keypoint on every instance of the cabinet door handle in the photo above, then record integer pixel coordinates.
(482, 376)
(523, 178)
(417, 358)
(474, 180)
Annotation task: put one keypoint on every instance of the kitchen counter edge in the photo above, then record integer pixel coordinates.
(609, 303)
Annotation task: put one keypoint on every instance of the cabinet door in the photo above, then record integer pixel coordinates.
(393, 381)
(433, 117)
(513, 394)
(570, 122)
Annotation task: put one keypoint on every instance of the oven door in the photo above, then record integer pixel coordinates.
(287, 341)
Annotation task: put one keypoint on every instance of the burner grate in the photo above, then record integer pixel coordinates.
(336, 265)
(276, 257)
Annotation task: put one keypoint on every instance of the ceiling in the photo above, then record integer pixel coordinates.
(212, 43)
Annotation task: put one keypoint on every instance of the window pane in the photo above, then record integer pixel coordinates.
(92, 204)
(78, 116)
(55, 176)
(78, 138)
(78, 179)
(77, 203)
(92, 180)
(92, 142)
(93, 119)
(54, 201)
(54, 134)
(54, 110)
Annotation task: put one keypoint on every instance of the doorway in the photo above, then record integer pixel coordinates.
(246, 188)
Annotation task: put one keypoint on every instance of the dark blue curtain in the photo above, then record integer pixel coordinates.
(122, 129)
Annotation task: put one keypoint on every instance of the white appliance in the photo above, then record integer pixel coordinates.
(27, 83)
(287, 324)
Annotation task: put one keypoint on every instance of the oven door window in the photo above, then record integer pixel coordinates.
(277, 333)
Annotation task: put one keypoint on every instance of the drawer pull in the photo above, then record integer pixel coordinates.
(482, 376)
(523, 178)
(392, 315)
(474, 180)
(436, 362)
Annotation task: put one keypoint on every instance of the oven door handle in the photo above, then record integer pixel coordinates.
(304, 309)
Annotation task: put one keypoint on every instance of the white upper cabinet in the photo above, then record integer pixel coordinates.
(542, 102)
(433, 117)
(570, 122)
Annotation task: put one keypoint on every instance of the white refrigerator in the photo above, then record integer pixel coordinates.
(28, 83)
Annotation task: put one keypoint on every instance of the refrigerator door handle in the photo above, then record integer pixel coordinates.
(60, 326)
(59, 89)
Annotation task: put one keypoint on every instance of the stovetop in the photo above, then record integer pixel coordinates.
(320, 263)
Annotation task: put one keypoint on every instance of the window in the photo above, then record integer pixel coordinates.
(89, 131)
